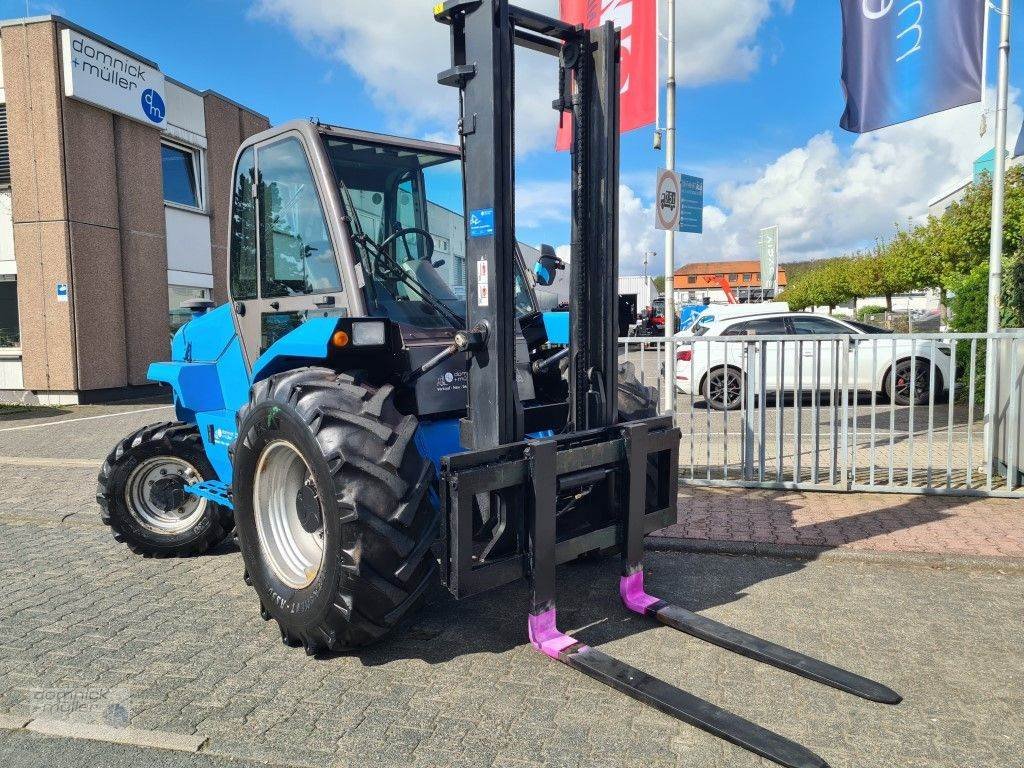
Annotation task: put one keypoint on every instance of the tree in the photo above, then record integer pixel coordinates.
(828, 284)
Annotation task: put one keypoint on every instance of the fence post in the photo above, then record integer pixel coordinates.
(845, 378)
(749, 392)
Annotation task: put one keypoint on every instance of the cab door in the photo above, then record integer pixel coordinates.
(284, 266)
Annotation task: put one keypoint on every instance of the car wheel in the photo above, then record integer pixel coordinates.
(909, 380)
(723, 388)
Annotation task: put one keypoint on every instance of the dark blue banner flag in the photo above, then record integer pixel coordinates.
(903, 59)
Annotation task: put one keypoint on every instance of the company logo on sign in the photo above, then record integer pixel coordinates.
(153, 105)
(109, 78)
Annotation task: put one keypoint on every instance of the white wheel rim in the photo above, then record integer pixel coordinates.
(143, 499)
(293, 553)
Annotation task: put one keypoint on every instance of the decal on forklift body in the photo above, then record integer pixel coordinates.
(224, 436)
(481, 222)
(482, 289)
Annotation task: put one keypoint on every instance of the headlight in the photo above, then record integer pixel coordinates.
(368, 334)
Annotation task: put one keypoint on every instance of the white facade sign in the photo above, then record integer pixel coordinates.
(110, 79)
(667, 200)
(768, 245)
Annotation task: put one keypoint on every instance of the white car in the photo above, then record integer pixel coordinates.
(711, 364)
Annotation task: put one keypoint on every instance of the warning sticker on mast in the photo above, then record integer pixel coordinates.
(637, 19)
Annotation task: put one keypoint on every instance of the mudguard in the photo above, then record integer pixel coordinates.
(307, 344)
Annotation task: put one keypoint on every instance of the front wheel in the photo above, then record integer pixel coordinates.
(142, 496)
(334, 519)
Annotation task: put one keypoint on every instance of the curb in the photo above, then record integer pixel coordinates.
(834, 554)
(176, 742)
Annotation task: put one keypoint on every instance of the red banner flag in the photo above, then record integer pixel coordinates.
(638, 21)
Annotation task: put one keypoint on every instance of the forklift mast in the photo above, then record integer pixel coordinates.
(627, 473)
(484, 36)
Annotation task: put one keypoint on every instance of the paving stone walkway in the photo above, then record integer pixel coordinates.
(879, 522)
(181, 643)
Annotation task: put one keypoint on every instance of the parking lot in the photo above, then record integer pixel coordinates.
(182, 643)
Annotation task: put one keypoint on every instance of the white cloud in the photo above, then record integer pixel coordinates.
(828, 200)
(718, 41)
(397, 49)
(543, 203)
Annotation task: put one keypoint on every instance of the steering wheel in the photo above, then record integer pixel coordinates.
(405, 232)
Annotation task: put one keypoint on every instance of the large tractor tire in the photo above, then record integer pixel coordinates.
(635, 401)
(141, 493)
(332, 508)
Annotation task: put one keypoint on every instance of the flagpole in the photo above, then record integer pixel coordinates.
(984, 68)
(995, 255)
(670, 235)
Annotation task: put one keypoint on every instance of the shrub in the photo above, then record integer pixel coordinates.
(867, 311)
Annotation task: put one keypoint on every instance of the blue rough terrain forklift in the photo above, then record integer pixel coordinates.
(366, 414)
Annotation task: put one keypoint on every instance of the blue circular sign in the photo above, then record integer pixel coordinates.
(153, 105)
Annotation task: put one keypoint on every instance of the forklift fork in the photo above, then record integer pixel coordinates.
(545, 636)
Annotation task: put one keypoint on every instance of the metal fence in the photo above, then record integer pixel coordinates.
(902, 413)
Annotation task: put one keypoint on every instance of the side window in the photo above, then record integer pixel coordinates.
(736, 329)
(406, 204)
(769, 326)
(296, 255)
(243, 231)
(817, 325)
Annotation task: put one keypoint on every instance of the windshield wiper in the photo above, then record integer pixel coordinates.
(394, 268)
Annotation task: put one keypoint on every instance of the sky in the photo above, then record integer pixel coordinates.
(759, 108)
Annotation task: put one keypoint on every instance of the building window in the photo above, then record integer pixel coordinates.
(182, 178)
(691, 279)
(746, 277)
(732, 277)
(5, 150)
(9, 333)
(176, 295)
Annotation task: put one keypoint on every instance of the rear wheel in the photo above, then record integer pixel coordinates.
(141, 492)
(723, 388)
(909, 380)
(334, 520)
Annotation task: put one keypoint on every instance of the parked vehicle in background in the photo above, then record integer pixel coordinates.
(900, 369)
(650, 320)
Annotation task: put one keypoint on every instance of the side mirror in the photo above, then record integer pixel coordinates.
(198, 307)
(547, 265)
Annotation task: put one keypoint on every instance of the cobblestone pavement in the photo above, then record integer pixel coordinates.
(459, 686)
(881, 522)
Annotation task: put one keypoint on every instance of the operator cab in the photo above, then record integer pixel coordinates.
(341, 223)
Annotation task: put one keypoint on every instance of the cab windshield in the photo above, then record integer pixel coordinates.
(405, 207)
(415, 278)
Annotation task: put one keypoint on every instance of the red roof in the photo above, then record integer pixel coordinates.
(740, 274)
